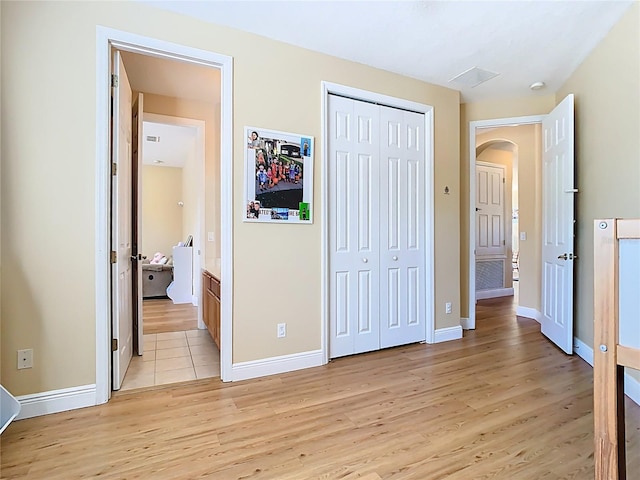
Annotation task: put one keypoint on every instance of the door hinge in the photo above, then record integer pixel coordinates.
(114, 169)
(114, 344)
(503, 242)
(504, 180)
(114, 80)
(114, 256)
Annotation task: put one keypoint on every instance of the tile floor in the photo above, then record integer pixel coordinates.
(173, 357)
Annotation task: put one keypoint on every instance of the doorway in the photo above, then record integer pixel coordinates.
(502, 141)
(550, 255)
(108, 41)
(175, 345)
(495, 183)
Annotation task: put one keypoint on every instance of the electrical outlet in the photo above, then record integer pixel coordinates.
(282, 330)
(211, 237)
(523, 236)
(25, 358)
(447, 307)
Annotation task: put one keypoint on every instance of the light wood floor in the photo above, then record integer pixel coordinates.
(161, 315)
(502, 403)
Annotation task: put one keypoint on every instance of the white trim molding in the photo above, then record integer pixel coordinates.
(448, 333)
(275, 365)
(494, 293)
(429, 289)
(528, 312)
(54, 401)
(464, 323)
(631, 388)
(583, 350)
(631, 385)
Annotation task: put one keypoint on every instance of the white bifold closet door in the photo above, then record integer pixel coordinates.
(376, 227)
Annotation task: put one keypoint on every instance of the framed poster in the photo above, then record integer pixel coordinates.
(278, 176)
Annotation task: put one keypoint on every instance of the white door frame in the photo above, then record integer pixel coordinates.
(106, 39)
(372, 97)
(470, 322)
(198, 237)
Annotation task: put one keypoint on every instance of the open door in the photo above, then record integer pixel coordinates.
(121, 242)
(558, 224)
(136, 224)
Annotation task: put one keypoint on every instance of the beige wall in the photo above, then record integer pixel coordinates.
(48, 187)
(607, 95)
(0, 198)
(513, 107)
(161, 214)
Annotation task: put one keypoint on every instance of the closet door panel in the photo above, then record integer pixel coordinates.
(353, 227)
(402, 228)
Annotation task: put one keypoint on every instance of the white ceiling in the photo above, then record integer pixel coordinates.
(523, 40)
(176, 145)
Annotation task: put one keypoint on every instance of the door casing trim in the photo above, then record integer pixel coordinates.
(106, 40)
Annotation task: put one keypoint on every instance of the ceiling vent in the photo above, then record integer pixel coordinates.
(473, 77)
(153, 138)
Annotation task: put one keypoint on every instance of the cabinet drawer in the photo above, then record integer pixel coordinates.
(214, 286)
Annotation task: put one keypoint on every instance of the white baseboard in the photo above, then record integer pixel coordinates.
(494, 293)
(631, 385)
(448, 333)
(632, 388)
(464, 323)
(275, 365)
(529, 313)
(583, 350)
(55, 401)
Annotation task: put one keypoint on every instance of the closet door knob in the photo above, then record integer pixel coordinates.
(395, 259)
(365, 260)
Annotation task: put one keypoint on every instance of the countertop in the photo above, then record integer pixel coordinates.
(213, 267)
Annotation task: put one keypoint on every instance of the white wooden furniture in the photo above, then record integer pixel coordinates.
(181, 289)
(610, 357)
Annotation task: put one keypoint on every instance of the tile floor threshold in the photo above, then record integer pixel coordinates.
(173, 357)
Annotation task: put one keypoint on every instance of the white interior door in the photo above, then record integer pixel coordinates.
(402, 227)
(136, 196)
(353, 228)
(558, 225)
(490, 211)
(377, 229)
(122, 275)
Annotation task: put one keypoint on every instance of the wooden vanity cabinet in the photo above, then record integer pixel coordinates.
(211, 306)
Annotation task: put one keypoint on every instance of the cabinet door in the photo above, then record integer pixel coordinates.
(215, 320)
(206, 310)
(210, 305)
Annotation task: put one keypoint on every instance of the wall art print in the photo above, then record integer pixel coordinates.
(278, 176)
